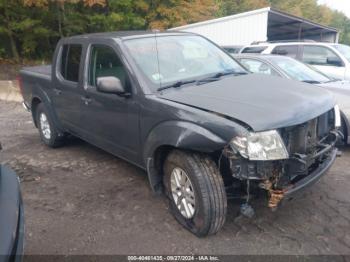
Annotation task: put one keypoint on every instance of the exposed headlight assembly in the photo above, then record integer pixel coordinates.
(337, 118)
(266, 145)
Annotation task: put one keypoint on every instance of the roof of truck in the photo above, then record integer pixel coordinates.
(127, 34)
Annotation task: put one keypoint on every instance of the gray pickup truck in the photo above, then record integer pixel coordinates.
(182, 109)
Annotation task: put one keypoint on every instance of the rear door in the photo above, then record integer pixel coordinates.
(324, 59)
(110, 121)
(67, 87)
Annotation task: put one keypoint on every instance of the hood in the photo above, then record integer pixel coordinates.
(262, 102)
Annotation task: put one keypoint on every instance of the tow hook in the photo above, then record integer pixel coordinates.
(275, 195)
(275, 198)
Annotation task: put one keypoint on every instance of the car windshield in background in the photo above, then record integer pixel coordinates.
(179, 59)
(299, 71)
(344, 50)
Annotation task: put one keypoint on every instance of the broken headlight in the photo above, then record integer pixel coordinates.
(266, 145)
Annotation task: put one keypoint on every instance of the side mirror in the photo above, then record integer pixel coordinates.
(334, 61)
(110, 85)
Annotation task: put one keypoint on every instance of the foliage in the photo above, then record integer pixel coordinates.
(308, 9)
(171, 13)
(31, 28)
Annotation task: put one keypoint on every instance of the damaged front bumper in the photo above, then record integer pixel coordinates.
(284, 179)
(312, 178)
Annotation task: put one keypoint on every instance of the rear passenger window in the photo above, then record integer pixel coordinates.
(105, 62)
(287, 50)
(70, 62)
(254, 50)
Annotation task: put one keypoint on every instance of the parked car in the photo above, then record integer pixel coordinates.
(292, 69)
(329, 58)
(181, 108)
(11, 216)
(232, 49)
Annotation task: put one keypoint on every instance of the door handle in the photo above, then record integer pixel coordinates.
(86, 100)
(57, 91)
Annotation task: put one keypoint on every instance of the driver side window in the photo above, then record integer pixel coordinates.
(105, 62)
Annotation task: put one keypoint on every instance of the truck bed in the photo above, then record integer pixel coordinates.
(35, 80)
(42, 70)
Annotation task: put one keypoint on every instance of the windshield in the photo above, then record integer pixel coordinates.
(344, 50)
(181, 58)
(297, 70)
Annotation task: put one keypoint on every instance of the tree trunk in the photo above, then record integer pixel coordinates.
(10, 35)
(60, 14)
(13, 46)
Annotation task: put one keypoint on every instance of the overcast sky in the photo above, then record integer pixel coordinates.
(340, 5)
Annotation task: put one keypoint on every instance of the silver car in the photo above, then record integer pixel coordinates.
(330, 58)
(287, 67)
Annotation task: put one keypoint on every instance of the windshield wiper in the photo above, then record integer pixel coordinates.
(217, 76)
(311, 81)
(176, 84)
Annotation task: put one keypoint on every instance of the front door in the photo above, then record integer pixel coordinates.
(109, 120)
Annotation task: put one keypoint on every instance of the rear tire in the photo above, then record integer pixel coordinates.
(201, 198)
(49, 134)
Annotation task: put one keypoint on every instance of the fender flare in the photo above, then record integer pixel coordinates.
(176, 134)
(347, 126)
(39, 93)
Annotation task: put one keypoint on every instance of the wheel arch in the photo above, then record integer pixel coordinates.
(34, 105)
(40, 96)
(345, 120)
(172, 135)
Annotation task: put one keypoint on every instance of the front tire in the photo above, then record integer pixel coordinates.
(196, 192)
(49, 134)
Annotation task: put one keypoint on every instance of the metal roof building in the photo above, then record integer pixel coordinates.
(266, 24)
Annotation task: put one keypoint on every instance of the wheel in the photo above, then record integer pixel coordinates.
(47, 130)
(196, 192)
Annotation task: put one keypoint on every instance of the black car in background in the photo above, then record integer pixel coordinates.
(11, 216)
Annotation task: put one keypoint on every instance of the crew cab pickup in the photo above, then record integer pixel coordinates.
(182, 109)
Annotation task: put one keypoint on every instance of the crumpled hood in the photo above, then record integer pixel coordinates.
(262, 102)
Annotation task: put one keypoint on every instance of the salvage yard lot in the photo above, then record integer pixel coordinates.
(80, 200)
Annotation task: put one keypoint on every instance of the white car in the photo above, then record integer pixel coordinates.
(330, 58)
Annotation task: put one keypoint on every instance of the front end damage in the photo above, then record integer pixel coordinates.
(311, 152)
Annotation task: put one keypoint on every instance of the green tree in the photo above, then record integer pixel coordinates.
(31, 28)
(24, 28)
(230, 7)
(165, 14)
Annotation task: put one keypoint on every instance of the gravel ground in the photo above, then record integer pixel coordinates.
(80, 200)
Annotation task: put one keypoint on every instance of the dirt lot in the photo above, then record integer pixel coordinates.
(81, 200)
